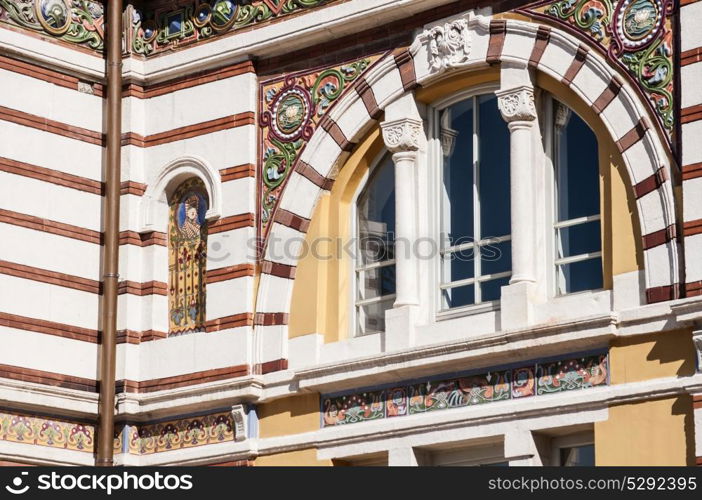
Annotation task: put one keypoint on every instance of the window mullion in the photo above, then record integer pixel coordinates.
(476, 199)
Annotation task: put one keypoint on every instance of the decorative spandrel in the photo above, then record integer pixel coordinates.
(291, 110)
(75, 21)
(636, 35)
(187, 258)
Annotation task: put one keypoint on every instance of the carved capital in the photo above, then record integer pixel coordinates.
(517, 104)
(239, 419)
(449, 44)
(402, 135)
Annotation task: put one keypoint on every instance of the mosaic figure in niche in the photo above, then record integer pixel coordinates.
(187, 258)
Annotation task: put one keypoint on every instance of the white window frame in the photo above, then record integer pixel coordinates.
(554, 226)
(436, 201)
(355, 268)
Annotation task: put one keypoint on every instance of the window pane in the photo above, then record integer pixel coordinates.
(578, 456)
(457, 297)
(376, 214)
(457, 129)
(580, 239)
(496, 258)
(494, 169)
(459, 265)
(577, 165)
(490, 290)
(579, 276)
(376, 282)
(371, 318)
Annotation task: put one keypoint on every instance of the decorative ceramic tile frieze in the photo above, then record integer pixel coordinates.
(292, 107)
(42, 431)
(78, 22)
(636, 35)
(502, 384)
(175, 24)
(148, 439)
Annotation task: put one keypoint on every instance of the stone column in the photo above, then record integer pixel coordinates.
(402, 139)
(517, 108)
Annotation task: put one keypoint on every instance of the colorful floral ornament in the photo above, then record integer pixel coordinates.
(634, 34)
(291, 110)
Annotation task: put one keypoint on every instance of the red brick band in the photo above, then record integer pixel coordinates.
(230, 223)
(50, 277)
(693, 289)
(692, 171)
(691, 56)
(498, 30)
(691, 114)
(227, 322)
(134, 337)
(271, 366)
(292, 220)
(543, 36)
(278, 269)
(693, 227)
(48, 378)
(51, 126)
(141, 289)
(608, 94)
(238, 172)
(335, 132)
(663, 293)
(660, 237)
(405, 65)
(576, 65)
(651, 183)
(365, 92)
(271, 319)
(189, 131)
(309, 173)
(49, 226)
(165, 383)
(49, 175)
(48, 327)
(634, 135)
(229, 273)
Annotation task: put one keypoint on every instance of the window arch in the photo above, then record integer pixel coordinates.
(187, 257)
(375, 256)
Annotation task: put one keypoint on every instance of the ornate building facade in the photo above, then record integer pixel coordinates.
(360, 232)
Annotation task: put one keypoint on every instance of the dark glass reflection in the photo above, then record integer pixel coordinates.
(578, 456)
(581, 276)
(376, 214)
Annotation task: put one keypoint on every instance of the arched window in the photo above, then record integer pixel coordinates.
(187, 258)
(475, 202)
(576, 201)
(375, 262)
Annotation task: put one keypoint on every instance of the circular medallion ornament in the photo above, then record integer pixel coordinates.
(202, 15)
(638, 22)
(54, 15)
(291, 113)
(224, 14)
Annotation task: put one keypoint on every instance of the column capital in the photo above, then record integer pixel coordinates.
(517, 104)
(402, 135)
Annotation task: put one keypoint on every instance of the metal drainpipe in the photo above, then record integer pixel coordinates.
(106, 410)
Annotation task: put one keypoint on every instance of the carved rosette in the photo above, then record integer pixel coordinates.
(517, 104)
(402, 135)
(449, 45)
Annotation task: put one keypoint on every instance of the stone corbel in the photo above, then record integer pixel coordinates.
(239, 420)
(697, 341)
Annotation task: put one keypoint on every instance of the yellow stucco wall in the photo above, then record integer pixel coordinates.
(300, 458)
(658, 432)
(658, 355)
(285, 416)
(322, 285)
